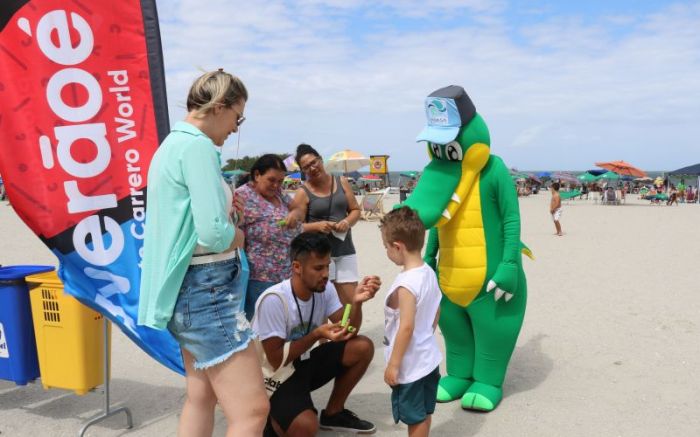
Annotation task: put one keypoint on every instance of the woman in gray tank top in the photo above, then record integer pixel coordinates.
(330, 207)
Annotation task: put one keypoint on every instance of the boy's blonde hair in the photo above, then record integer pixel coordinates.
(404, 226)
(213, 89)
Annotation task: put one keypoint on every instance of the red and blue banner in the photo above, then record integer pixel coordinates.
(83, 110)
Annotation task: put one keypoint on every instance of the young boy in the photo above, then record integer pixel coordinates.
(555, 208)
(411, 313)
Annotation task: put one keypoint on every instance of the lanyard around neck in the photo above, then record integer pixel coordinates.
(311, 316)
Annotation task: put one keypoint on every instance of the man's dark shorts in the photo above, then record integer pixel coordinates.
(294, 395)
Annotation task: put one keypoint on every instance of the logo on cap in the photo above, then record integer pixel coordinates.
(437, 112)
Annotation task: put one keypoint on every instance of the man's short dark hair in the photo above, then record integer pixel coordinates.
(309, 242)
(555, 186)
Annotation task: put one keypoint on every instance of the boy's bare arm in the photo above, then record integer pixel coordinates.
(437, 319)
(407, 318)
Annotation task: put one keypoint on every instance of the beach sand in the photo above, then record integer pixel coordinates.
(609, 347)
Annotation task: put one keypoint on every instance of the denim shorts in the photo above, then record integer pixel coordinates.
(209, 317)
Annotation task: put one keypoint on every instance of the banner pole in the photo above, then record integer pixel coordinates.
(107, 413)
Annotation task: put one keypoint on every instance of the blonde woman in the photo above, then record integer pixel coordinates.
(190, 273)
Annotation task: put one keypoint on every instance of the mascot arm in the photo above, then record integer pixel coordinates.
(505, 279)
(431, 249)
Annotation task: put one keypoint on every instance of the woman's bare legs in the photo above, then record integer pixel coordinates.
(238, 384)
(197, 418)
(346, 291)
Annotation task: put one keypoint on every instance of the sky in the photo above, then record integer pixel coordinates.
(561, 85)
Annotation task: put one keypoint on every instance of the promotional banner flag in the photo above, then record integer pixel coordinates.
(83, 111)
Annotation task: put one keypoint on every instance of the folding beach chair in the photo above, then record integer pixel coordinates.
(611, 197)
(372, 205)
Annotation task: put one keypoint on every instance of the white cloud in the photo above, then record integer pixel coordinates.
(559, 94)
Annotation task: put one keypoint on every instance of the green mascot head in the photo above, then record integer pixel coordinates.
(458, 146)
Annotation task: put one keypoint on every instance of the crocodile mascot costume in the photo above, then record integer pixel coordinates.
(467, 199)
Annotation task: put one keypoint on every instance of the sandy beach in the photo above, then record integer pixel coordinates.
(610, 344)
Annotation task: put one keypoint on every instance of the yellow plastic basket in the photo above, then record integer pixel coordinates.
(69, 336)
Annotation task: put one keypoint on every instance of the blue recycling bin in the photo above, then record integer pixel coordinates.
(18, 359)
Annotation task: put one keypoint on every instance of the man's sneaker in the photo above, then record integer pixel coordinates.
(346, 420)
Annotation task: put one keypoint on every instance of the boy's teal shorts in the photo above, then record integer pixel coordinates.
(412, 403)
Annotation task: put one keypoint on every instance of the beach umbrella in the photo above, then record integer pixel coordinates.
(596, 171)
(565, 177)
(346, 161)
(622, 168)
(609, 176)
(544, 174)
(409, 174)
(356, 175)
(534, 178)
(586, 178)
(370, 178)
(291, 164)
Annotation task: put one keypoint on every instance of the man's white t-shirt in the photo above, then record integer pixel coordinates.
(270, 318)
(423, 354)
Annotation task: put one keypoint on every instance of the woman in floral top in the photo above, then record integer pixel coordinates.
(269, 227)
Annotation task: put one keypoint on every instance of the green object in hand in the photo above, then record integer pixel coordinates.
(281, 223)
(351, 329)
(346, 315)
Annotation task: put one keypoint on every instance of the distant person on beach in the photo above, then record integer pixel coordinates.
(329, 206)
(298, 311)
(269, 227)
(191, 266)
(555, 208)
(673, 196)
(411, 312)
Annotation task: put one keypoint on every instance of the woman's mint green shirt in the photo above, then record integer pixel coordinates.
(186, 206)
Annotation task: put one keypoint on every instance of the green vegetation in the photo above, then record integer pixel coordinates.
(245, 163)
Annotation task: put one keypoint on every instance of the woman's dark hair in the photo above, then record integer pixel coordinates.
(265, 163)
(304, 149)
(261, 166)
(309, 242)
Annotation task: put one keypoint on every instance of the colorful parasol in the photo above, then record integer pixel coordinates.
(622, 168)
(346, 161)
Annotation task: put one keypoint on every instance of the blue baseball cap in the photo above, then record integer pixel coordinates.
(447, 110)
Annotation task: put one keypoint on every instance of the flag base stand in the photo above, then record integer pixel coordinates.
(108, 412)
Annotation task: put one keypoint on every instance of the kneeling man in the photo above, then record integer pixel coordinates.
(314, 313)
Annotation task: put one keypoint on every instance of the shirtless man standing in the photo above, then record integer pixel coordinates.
(555, 207)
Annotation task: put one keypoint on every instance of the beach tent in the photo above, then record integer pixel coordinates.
(691, 170)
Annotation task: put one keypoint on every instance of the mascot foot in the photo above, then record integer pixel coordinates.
(452, 388)
(482, 397)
